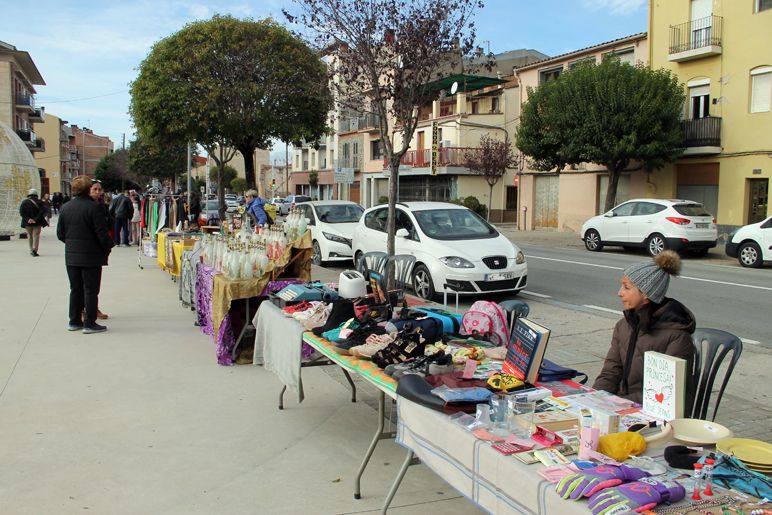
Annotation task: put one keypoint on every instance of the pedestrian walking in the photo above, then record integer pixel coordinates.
(56, 202)
(651, 322)
(136, 235)
(47, 207)
(122, 210)
(83, 229)
(33, 219)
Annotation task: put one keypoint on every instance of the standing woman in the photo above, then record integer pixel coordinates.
(33, 219)
(47, 208)
(136, 235)
(83, 229)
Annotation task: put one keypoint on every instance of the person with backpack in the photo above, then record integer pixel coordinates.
(33, 219)
(652, 322)
(123, 211)
(256, 210)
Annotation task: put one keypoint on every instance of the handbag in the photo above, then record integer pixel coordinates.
(550, 371)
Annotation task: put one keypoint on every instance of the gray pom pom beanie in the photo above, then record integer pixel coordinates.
(653, 277)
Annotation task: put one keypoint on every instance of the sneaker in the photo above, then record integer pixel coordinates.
(373, 344)
(96, 328)
(74, 327)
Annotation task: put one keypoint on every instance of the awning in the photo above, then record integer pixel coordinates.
(466, 83)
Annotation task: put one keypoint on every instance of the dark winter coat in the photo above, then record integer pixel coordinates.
(83, 229)
(665, 328)
(32, 208)
(121, 207)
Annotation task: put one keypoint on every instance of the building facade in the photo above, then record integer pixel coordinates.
(18, 78)
(564, 200)
(91, 148)
(721, 50)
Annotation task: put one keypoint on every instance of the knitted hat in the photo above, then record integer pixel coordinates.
(653, 277)
(32, 191)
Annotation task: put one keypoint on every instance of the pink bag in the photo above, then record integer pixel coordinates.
(487, 320)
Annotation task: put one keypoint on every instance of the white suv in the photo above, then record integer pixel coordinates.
(751, 244)
(655, 225)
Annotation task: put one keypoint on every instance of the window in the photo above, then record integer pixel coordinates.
(376, 150)
(495, 104)
(625, 55)
(355, 154)
(699, 101)
(624, 209)
(376, 219)
(763, 5)
(580, 61)
(551, 74)
(511, 197)
(761, 89)
(475, 107)
(648, 208)
(453, 224)
(404, 222)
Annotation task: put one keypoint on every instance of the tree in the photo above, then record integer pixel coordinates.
(389, 52)
(112, 170)
(239, 185)
(612, 114)
(228, 174)
(313, 182)
(150, 159)
(491, 160)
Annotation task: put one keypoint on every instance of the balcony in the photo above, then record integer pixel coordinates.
(702, 136)
(695, 39)
(350, 162)
(25, 101)
(368, 122)
(447, 156)
(37, 115)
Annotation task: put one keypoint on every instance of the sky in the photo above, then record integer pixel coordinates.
(88, 52)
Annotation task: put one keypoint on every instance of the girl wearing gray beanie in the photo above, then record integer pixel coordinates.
(651, 322)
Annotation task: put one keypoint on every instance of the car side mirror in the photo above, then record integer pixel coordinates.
(402, 233)
(309, 221)
(610, 214)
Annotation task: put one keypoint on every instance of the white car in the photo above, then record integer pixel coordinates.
(751, 244)
(332, 224)
(452, 245)
(654, 224)
(290, 201)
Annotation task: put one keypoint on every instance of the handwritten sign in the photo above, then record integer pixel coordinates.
(664, 385)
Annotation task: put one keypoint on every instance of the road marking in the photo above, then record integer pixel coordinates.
(750, 342)
(766, 288)
(534, 294)
(601, 308)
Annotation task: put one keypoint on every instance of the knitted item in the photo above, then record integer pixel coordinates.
(653, 277)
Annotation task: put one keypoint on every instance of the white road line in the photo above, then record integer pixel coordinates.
(534, 294)
(601, 308)
(741, 285)
(750, 342)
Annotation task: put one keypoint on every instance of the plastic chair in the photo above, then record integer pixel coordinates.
(375, 261)
(515, 309)
(403, 268)
(716, 345)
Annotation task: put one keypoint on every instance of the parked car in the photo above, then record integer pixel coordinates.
(654, 224)
(231, 202)
(453, 246)
(332, 224)
(751, 244)
(291, 201)
(210, 214)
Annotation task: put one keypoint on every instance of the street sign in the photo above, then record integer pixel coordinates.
(435, 147)
(343, 175)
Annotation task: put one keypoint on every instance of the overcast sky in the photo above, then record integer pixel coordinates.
(88, 51)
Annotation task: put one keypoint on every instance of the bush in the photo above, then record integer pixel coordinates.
(383, 199)
(239, 185)
(472, 203)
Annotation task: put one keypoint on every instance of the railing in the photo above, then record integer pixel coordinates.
(27, 135)
(359, 123)
(25, 99)
(695, 34)
(446, 156)
(350, 162)
(702, 132)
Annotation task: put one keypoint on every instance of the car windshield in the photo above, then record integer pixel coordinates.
(453, 224)
(301, 198)
(691, 209)
(339, 214)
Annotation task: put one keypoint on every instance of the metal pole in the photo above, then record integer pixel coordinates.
(286, 167)
(190, 179)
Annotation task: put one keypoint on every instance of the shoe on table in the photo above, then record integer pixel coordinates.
(373, 344)
(96, 328)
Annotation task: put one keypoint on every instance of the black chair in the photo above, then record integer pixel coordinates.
(711, 346)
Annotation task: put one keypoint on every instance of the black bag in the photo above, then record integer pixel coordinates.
(550, 371)
(431, 328)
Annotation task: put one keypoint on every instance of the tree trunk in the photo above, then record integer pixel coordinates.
(391, 226)
(611, 191)
(490, 202)
(248, 151)
(220, 189)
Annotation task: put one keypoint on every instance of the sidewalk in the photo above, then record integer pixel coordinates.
(141, 419)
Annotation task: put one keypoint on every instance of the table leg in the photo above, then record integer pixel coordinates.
(378, 435)
(281, 396)
(398, 480)
(247, 325)
(351, 383)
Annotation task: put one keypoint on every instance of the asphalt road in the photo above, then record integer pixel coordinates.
(722, 296)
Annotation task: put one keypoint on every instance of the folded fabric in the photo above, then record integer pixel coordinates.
(730, 472)
(474, 394)
(637, 496)
(592, 480)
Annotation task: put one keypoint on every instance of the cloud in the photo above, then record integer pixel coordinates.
(621, 7)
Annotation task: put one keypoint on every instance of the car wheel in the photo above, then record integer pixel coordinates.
(749, 255)
(592, 241)
(422, 282)
(698, 253)
(317, 258)
(656, 244)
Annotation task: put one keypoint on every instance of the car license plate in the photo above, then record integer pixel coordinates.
(501, 276)
(701, 226)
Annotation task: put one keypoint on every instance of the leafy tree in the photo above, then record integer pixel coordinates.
(389, 52)
(239, 185)
(150, 159)
(491, 160)
(611, 114)
(313, 182)
(112, 170)
(228, 174)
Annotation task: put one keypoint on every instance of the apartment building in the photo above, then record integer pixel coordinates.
(564, 200)
(721, 50)
(18, 78)
(91, 148)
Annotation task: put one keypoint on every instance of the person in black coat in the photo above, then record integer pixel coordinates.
(83, 229)
(33, 219)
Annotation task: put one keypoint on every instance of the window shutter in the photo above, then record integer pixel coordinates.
(761, 92)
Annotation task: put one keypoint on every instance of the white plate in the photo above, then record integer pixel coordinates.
(696, 431)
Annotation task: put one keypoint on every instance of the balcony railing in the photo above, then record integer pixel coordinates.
(25, 99)
(702, 132)
(446, 156)
(27, 136)
(696, 34)
(368, 121)
(350, 162)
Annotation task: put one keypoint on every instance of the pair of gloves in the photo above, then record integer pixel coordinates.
(618, 489)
